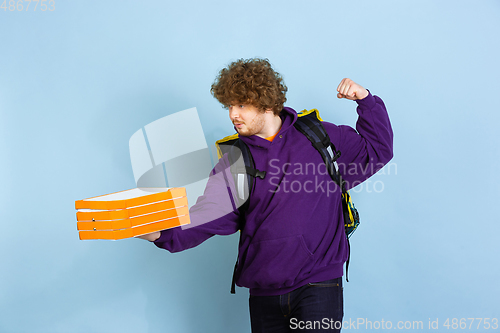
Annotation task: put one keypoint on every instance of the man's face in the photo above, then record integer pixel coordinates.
(247, 119)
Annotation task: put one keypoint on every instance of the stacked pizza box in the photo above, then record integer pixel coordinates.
(131, 213)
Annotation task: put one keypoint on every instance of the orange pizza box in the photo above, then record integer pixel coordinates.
(135, 231)
(133, 221)
(132, 213)
(83, 215)
(131, 198)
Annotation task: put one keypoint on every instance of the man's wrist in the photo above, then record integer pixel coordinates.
(368, 101)
(366, 93)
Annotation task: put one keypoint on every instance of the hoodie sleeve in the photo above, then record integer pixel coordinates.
(214, 213)
(367, 150)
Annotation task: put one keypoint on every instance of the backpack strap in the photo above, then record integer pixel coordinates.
(242, 165)
(309, 125)
(244, 172)
(244, 180)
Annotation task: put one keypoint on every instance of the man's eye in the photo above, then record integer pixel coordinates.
(242, 106)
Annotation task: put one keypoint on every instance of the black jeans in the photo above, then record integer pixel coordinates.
(315, 307)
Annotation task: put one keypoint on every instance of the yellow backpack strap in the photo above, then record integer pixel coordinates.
(305, 113)
(228, 140)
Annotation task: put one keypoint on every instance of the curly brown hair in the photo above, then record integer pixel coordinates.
(250, 81)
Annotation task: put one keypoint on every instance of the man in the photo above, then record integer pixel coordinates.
(293, 244)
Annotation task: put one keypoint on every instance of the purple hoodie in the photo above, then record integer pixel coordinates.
(293, 231)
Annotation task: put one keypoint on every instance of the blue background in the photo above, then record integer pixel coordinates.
(77, 82)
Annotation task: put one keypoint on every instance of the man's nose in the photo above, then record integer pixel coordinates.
(233, 114)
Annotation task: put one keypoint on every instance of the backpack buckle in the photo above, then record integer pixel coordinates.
(260, 174)
(336, 156)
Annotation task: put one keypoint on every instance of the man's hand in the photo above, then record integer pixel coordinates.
(351, 90)
(150, 237)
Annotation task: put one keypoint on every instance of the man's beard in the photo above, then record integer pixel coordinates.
(252, 127)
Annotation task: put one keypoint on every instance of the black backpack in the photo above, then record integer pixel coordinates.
(309, 124)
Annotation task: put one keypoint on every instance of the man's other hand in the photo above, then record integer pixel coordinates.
(150, 237)
(351, 90)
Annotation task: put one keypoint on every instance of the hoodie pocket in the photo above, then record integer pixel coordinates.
(275, 263)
